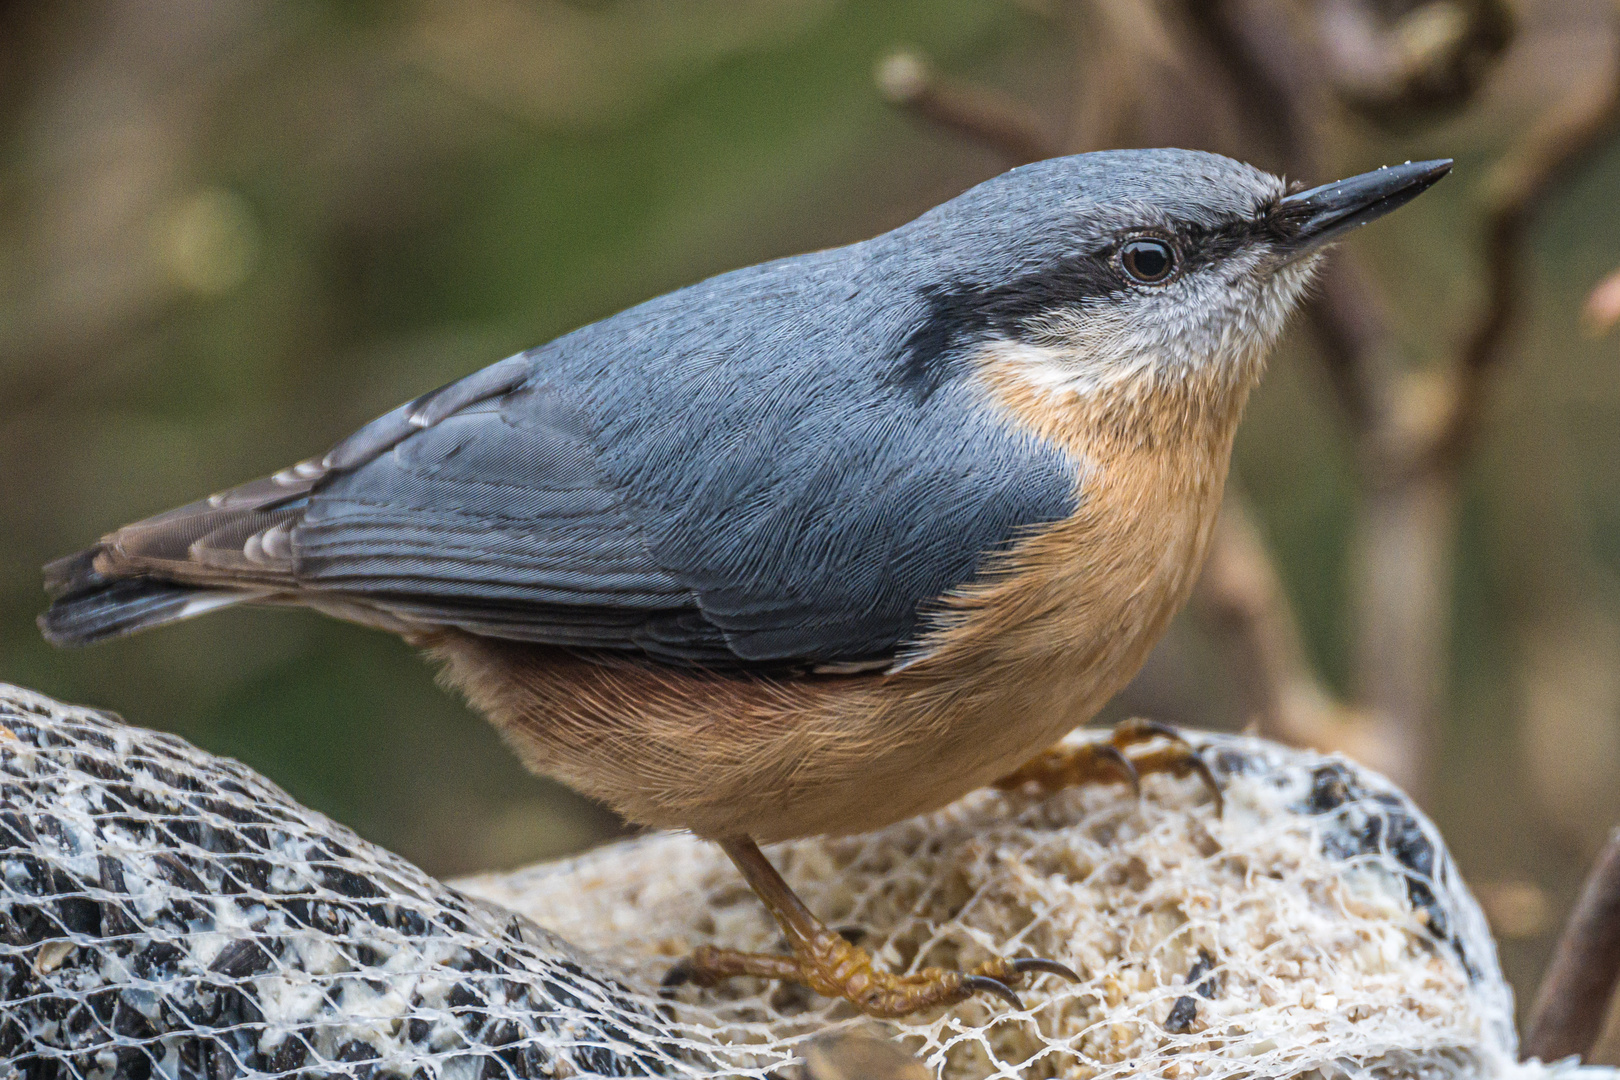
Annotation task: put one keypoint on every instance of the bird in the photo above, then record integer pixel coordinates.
(815, 545)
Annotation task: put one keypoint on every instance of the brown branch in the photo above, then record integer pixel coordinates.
(1351, 323)
(1573, 999)
(1434, 55)
(1517, 188)
(1602, 308)
(1357, 50)
(1260, 55)
(1240, 593)
(988, 117)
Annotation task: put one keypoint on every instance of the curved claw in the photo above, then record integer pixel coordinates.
(1051, 967)
(975, 984)
(1196, 762)
(1122, 765)
(1139, 729)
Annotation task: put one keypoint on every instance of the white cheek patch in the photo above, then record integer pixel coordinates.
(1226, 317)
(1063, 369)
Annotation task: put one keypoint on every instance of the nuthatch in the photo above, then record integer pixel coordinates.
(814, 545)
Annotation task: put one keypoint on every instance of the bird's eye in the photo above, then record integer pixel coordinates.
(1147, 260)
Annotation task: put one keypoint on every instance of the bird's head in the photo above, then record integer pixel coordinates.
(1126, 267)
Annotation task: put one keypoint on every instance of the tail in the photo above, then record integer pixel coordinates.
(228, 549)
(87, 607)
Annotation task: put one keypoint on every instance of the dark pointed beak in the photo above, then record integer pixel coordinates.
(1312, 218)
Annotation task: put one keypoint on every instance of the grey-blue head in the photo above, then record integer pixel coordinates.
(1083, 271)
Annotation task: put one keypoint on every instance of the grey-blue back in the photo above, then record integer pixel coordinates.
(740, 472)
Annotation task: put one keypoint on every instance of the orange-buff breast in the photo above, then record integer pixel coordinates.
(1055, 628)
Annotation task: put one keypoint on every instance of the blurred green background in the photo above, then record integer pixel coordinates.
(232, 232)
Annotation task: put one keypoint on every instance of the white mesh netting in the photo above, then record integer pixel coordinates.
(167, 913)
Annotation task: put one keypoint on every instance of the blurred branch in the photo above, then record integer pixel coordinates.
(1602, 308)
(1573, 1000)
(1351, 323)
(1518, 187)
(988, 117)
(1365, 58)
(1240, 592)
(1434, 55)
(1257, 48)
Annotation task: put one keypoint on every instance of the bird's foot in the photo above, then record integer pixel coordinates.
(828, 964)
(1135, 748)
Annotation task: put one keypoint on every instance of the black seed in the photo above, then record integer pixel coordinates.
(1182, 1015)
(178, 873)
(134, 1063)
(240, 959)
(80, 915)
(1329, 789)
(288, 1056)
(1201, 967)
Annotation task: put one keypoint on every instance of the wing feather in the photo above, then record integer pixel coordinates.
(672, 482)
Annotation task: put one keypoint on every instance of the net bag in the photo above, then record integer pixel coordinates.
(168, 913)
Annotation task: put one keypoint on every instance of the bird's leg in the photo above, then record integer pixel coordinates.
(1135, 747)
(826, 962)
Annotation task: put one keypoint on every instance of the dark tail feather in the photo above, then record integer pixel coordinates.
(88, 607)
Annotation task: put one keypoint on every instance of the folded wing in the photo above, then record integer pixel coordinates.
(678, 488)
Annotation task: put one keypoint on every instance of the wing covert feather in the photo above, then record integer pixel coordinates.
(675, 481)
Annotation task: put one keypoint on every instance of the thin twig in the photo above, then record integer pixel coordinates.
(988, 117)
(1239, 591)
(1573, 999)
(1517, 188)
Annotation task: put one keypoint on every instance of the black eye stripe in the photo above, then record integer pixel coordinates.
(957, 312)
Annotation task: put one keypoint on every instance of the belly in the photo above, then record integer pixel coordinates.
(1054, 630)
(776, 759)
